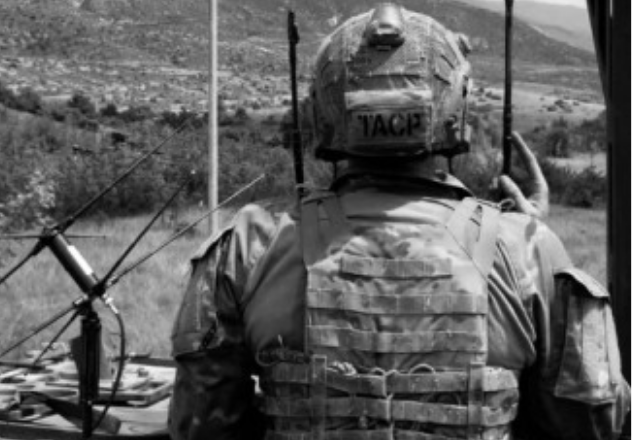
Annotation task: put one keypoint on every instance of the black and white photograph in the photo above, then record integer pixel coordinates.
(315, 220)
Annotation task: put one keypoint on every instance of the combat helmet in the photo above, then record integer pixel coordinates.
(390, 83)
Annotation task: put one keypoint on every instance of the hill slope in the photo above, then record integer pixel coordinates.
(568, 24)
(156, 51)
(485, 28)
(75, 27)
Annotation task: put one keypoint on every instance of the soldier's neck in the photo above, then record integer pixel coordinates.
(421, 173)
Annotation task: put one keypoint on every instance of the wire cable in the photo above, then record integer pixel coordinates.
(32, 253)
(65, 224)
(41, 328)
(113, 280)
(146, 228)
(73, 217)
(56, 337)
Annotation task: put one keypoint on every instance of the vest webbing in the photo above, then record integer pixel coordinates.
(493, 380)
(350, 316)
(383, 434)
(389, 410)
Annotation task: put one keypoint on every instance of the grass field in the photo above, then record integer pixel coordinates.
(149, 296)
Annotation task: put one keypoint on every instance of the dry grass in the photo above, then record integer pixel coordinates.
(149, 296)
(578, 162)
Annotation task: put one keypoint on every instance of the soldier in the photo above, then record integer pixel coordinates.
(394, 305)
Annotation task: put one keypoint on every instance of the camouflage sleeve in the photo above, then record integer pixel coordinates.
(575, 389)
(214, 391)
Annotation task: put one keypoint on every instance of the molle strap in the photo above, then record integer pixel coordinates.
(395, 268)
(494, 380)
(481, 251)
(476, 401)
(318, 396)
(378, 434)
(374, 385)
(389, 410)
(436, 304)
(485, 248)
(458, 223)
(313, 239)
(499, 433)
(385, 342)
(337, 219)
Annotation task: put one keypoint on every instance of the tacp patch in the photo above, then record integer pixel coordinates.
(386, 127)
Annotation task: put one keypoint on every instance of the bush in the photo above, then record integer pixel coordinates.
(584, 189)
(557, 143)
(58, 114)
(136, 114)
(7, 97)
(26, 187)
(83, 104)
(28, 101)
(109, 111)
(241, 115)
(76, 174)
(176, 120)
(30, 203)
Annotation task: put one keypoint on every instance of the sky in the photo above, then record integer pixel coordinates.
(578, 3)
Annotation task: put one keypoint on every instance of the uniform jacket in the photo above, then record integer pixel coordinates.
(546, 319)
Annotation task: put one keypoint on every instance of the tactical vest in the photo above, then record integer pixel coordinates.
(395, 331)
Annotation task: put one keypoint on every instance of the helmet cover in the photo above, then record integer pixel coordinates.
(390, 83)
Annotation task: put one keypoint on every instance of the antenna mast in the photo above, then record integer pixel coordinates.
(507, 114)
(213, 117)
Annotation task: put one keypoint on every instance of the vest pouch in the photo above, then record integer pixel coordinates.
(590, 360)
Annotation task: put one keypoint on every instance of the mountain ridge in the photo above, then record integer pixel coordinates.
(566, 23)
(156, 51)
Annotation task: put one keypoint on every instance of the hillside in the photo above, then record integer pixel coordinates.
(568, 24)
(155, 52)
(266, 18)
(253, 38)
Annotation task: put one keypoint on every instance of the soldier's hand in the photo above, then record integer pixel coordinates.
(537, 204)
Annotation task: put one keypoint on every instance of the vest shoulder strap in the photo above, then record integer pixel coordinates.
(316, 208)
(482, 248)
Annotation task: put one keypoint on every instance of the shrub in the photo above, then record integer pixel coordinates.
(28, 101)
(584, 189)
(58, 114)
(83, 104)
(176, 120)
(587, 190)
(7, 97)
(560, 139)
(29, 205)
(556, 143)
(109, 111)
(241, 115)
(26, 186)
(136, 114)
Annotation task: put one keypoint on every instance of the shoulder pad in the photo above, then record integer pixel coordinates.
(591, 287)
(212, 240)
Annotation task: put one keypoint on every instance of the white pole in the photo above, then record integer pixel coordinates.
(213, 116)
